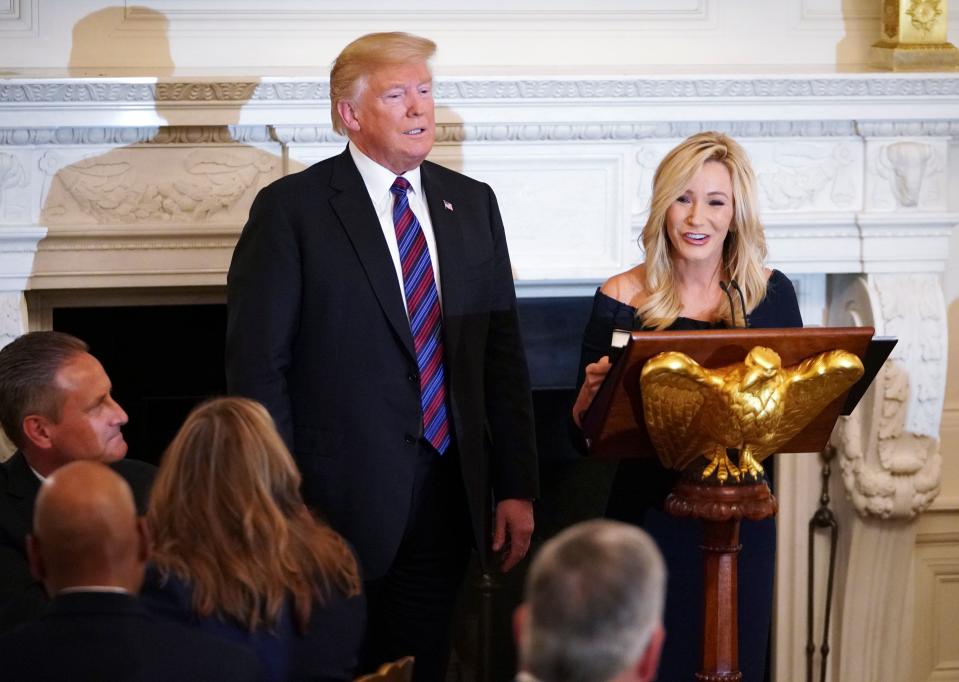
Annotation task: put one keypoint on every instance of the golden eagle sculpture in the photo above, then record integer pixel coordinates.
(755, 406)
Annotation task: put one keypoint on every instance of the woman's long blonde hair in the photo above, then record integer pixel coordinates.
(744, 250)
(227, 517)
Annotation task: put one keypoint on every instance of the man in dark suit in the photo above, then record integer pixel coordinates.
(371, 308)
(55, 405)
(90, 550)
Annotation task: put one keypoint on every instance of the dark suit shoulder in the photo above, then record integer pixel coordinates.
(14, 472)
(100, 636)
(139, 475)
(310, 178)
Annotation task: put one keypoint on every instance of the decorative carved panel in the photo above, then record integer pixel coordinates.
(889, 447)
(18, 18)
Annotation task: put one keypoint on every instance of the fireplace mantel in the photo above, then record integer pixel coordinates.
(134, 185)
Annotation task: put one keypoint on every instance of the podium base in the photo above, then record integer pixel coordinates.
(721, 508)
(710, 502)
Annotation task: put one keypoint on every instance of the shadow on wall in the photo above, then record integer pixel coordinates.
(169, 180)
(950, 288)
(951, 292)
(207, 174)
(861, 31)
(104, 44)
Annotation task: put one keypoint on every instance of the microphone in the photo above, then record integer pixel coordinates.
(729, 297)
(742, 301)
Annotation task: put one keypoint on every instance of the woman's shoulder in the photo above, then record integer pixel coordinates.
(779, 307)
(778, 284)
(628, 288)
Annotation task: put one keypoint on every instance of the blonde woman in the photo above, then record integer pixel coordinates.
(703, 234)
(238, 554)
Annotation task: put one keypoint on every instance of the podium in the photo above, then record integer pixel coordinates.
(615, 427)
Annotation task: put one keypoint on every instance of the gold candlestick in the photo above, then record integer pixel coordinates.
(914, 37)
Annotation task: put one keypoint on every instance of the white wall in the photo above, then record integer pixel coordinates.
(537, 36)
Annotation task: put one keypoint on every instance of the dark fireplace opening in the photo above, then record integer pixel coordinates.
(165, 359)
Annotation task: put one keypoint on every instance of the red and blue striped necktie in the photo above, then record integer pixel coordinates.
(426, 321)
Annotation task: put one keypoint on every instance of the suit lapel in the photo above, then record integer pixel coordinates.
(451, 252)
(351, 203)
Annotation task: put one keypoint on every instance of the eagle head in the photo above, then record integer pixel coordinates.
(762, 364)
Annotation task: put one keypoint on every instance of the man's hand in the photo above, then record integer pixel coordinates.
(514, 526)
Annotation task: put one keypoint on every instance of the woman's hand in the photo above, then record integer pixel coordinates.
(595, 373)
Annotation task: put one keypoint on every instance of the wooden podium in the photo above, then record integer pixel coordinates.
(615, 428)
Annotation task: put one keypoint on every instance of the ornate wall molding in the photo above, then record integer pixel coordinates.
(802, 87)
(13, 320)
(115, 135)
(701, 88)
(889, 447)
(452, 133)
(18, 245)
(201, 183)
(941, 128)
(19, 18)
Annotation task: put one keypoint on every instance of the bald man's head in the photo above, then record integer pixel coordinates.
(86, 531)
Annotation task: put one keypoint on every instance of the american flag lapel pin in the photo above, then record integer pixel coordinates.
(448, 205)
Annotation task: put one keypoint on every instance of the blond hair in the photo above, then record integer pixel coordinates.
(744, 250)
(366, 54)
(227, 517)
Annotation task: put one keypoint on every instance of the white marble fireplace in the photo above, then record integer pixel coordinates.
(134, 190)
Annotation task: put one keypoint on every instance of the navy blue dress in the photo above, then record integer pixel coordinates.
(326, 652)
(641, 485)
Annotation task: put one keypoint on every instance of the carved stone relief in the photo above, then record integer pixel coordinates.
(647, 158)
(792, 175)
(13, 176)
(803, 175)
(12, 316)
(169, 185)
(908, 174)
(889, 447)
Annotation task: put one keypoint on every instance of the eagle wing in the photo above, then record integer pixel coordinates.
(809, 387)
(676, 392)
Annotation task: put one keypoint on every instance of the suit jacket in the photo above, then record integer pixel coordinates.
(105, 636)
(317, 331)
(22, 597)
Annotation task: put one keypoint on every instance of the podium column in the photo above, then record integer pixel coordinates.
(721, 508)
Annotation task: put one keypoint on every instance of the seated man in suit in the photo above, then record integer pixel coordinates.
(90, 550)
(55, 406)
(593, 607)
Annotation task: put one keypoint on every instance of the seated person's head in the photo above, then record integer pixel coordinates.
(55, 402)
(227, 517)
(86, 531)
(593, 606)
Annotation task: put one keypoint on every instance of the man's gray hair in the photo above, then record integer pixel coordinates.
(594, 598)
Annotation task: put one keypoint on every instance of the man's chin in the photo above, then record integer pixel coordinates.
(115, 452)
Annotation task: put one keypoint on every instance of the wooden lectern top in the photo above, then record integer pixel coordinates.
(615, 427)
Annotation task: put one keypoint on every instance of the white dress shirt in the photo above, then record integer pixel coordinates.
(378, 181)
(523, 676)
